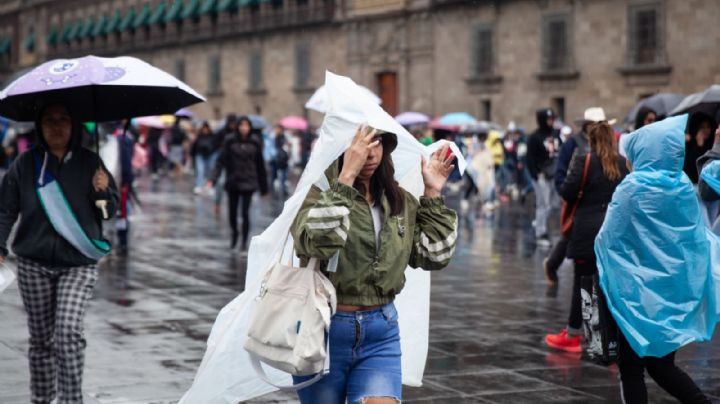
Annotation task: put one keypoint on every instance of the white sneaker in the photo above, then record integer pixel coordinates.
(543, 241)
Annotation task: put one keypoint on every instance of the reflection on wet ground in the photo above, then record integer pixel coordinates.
(154, 307)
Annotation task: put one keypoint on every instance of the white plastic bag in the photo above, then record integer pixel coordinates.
(7, 276)
(226, 375)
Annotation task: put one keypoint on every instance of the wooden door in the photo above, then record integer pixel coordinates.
(387, 83)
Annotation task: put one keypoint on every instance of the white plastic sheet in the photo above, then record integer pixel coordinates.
(319, 100)
(7, 276)
(110, 155)
(225, 375)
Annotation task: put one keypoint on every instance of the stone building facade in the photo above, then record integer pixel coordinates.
(497, 59)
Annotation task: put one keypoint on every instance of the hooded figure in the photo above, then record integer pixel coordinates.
(36, 239)
(542, 146)
(53, 189)
(655, 255)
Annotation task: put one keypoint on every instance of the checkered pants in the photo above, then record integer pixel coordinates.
(55, 301)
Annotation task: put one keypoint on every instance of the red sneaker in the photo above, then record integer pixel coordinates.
(564, 342)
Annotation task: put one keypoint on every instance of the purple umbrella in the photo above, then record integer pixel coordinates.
(412, 118)
(97, 89)
(184, 113)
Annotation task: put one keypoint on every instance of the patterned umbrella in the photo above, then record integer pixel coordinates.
(97, 89)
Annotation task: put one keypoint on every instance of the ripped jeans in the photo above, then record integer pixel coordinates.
(364, 359)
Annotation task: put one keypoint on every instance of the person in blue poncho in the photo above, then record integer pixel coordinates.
(655, 260)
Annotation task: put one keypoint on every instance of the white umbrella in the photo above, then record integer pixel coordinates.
(319, 100)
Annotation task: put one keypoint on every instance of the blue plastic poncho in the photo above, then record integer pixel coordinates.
(711, 175)
(655, 255)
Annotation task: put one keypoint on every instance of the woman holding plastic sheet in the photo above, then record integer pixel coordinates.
(655, 261)
(379, 229)
(605, 171)
(54, 189)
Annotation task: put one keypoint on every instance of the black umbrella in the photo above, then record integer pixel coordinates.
(661, 103)
(707, 101)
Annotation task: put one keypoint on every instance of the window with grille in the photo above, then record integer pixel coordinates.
(483, 55)
(302, 65)
(487, 110)
(214, 75)
(555, 43)
(645, 45)
(255, 78)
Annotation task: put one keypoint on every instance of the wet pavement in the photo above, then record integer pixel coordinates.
(153, 310)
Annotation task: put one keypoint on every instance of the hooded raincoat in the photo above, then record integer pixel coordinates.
(655, 255)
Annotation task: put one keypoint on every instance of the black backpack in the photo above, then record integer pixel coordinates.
(282, 158)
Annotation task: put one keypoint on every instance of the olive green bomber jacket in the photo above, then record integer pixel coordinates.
(422, 236)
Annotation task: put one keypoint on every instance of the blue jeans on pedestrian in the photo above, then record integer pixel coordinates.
(364, 359)
(203, 167)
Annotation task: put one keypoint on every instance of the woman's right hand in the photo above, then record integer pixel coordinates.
(717, 136)
(2, 259)
(356, 155)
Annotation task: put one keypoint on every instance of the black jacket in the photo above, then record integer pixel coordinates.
(204, 145)
(578, 142)
(590, 214)
(539, 159)
(36, 239)
(707, 193)
(244, 165)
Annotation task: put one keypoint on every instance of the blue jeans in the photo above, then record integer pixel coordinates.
(364, 359)
(203, 167)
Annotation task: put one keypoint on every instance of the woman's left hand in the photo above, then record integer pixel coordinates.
(100, 180)
(435, 172)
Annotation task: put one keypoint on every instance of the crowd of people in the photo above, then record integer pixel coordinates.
(586, 167)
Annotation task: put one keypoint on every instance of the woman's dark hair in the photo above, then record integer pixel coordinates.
(641, 115)
(383, 181)
(75, 134)
(205, 125)
(244, 119)
(696, 120)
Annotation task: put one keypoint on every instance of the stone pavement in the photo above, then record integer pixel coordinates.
(153, 310)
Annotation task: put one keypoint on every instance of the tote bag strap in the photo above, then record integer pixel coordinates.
(586, 168)
(257, 366)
